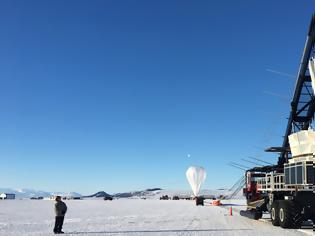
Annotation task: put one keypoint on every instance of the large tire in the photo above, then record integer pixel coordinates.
(289, 214)
(274, 213)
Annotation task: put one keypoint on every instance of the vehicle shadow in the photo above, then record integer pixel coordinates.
(160, 231)
(232, 204)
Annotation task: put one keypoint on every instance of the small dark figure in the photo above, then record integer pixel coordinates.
(199, 201)
(108, 198)
(60, 210)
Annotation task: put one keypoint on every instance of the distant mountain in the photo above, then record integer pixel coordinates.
(74, 194)
(31, 193)
(153, 189)
(156, 193)
(151, 193)
(25, 193)
(68, 195)
(98, 195)
(139, 194)
(123, 195)
(135, 194)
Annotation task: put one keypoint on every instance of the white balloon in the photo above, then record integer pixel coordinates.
(196, 176)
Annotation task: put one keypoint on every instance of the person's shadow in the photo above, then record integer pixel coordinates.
(161, 231)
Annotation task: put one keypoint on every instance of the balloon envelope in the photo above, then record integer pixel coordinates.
(195, 176)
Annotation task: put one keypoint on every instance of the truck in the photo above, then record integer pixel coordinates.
(286, 190)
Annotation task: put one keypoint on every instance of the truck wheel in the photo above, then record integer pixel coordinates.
(274, 213)
(289, 214)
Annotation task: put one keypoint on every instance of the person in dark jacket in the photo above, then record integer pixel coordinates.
(60, 211)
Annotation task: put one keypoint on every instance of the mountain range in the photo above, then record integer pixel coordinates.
(29, 193)
(152, 193)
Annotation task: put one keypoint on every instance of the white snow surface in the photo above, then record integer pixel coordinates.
(133, 217)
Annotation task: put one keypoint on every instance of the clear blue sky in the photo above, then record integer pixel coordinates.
(113, 95)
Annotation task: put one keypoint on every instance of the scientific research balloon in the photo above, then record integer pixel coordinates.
(195, 176)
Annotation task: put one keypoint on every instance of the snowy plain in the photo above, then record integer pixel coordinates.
(133, 217)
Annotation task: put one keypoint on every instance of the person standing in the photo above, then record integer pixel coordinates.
(60, 210)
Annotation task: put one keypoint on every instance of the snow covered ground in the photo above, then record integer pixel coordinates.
(133, 217)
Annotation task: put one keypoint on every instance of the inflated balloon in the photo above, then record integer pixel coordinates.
(195, 176)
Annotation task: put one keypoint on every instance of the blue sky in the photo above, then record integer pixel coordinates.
(113, 95)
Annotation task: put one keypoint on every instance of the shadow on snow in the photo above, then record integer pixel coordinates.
(160, 231)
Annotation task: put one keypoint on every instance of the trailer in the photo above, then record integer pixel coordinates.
(287, 189)
(6, 196)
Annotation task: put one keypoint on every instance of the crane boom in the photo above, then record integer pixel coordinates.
(303, 101)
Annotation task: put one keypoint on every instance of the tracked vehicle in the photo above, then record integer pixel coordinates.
(287, 190)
